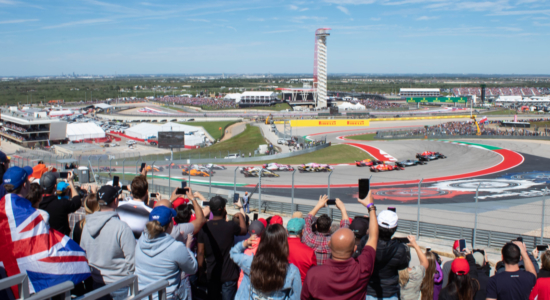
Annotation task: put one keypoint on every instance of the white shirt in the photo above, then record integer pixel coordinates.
(135, 214)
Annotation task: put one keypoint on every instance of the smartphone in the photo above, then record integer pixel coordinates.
(142, 167)
(461, 245)
(181, 191)
(124, 187)
(205, 203)
(480, 251)
(236, 197)
(331, 202)
(392, 209)
(542, 247)
(63, 174)
(520, 239)
(115, 180)
(153, 195)
(183, 184)
(255, 216)
(403, 240)
(364, 187)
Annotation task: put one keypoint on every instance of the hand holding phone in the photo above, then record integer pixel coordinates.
(331, 202)
(182, 191)
(364, 187)
(205, 203)
(461, 245)
(63, 175)
(142, 167)
(153, 195)
(115, 180)
(542, 247)
(255, 216)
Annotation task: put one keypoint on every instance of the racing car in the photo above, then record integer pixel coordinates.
(256, 173)
(367, 163)
(156, 168)
(194, 172)
(313, 167)
(278, 167)
(410, 163)
(385, 167)
(429, 155)
(214, 167)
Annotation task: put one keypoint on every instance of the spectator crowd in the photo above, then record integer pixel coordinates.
(204, 253)
(205, 103)
(381, 104)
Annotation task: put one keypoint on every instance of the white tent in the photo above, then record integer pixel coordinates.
(81, 131)
(349, 106)
(193, 135)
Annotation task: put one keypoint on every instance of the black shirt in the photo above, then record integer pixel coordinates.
(59, 210)
(218, 237)
(511, 285)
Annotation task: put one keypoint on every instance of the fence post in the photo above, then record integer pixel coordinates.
(189, 178)
(170, 178)
(292, 191)
(330, 212)
(153, 172)
(260, 191)
(137, 162)
(110, 165)
(98, 158)
(475, 222)
(210, 182)
(542, 219)
(235, 181)
(418, 210)
(123, 178)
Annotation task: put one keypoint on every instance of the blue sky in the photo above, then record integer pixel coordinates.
(39, 37)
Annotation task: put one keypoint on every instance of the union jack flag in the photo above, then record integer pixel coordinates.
(30, 246)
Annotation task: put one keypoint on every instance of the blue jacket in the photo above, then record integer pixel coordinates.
(293, 283)
(164, 258)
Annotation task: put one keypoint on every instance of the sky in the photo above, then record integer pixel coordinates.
(49, 37)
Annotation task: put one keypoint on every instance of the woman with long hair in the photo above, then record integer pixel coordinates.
(90, 206)
(431, 284)
(462, 284)
(267, 274)
(541, 291)
(410, 279)
(159, 256)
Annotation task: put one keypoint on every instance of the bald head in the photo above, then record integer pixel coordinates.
(342, 244)
(164, 203)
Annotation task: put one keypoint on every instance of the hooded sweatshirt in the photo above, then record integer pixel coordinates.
(110, 245)
(164, 258)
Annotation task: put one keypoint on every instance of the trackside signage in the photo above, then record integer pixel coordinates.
(328, 123)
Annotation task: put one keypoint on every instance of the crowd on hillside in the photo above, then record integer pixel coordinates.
(380, 105)
(202, 102)
(192, 243)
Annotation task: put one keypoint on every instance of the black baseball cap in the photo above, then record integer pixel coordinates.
(107, 194)
(359, 226)
(48, 181)
(217, 204)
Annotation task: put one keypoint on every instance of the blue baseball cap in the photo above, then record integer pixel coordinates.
(295, 225)
(61, 187)
(162, 214)
(29, 170)
(16, 176)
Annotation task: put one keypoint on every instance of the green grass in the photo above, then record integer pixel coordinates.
(212, 127)
(540, 124)
(363, 137)
(336, 154)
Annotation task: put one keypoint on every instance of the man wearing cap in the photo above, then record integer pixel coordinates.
(513, 283)
(318, 241)
(246, 203)
(391, 256)
(446, 268)
(359, 226)
(16, 181)
(256, 228)
(135, 210)
(109, 243)
(58, 207)
(299, 253)
(343, 277)
(215, 240)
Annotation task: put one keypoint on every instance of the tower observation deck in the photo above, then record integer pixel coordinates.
(320, 67)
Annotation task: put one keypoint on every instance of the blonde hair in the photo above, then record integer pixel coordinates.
(427, 285)
(154, 229)
(91, 205)
(404, 277)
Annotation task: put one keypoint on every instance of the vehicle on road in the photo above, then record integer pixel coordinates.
(280, 141)
(385, 167)
(256, 173)
(194, 172)
(278, 167)
(131, 142)
(367, 163)
(426, 156)
(214, 167)
(232, 156)
(314, 167)
(410, 163)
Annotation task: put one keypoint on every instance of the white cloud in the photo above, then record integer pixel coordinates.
(18, 21)
(198, 20)
(83, 22)
(256, 19)
(350, 2)
(278, 31)
(343, 9)
(426, 18)
(375, 19)
(293, 7)
(301, 19)
(8, 2)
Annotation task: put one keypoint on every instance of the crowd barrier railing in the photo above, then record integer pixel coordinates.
(22, 282)
(130, 281)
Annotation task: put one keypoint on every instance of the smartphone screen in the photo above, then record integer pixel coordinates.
(236, 197)
(520, 239)
(364, 187)
(542, 247)
(205, 203)
(182, 191)
(63, 174)
(462, 245)
(183, 184)
(403, 240)
(124, 187)
(115, 180)
(142, 167)
(331, 202)
(153, 195)
(392, 209)
(255, 216)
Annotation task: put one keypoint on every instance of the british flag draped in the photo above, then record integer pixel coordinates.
(29, 246)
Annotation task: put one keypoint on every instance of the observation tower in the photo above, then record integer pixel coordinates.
(320, 67)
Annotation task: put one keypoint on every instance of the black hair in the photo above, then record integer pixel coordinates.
(323, 223)
(268, 220)
(220, 212)
(184, 212)
(385, 234)
(12, 190)
(511, 254)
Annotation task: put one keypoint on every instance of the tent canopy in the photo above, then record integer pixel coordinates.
(81, 131)
(146, 130)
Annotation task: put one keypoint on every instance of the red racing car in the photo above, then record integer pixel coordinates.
(367, 163)
(385, 167)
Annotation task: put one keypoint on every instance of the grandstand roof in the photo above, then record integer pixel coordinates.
(253, 93)
(82, 131)
(418, 90)
(233, 96)
(146, 130)
(102, 106)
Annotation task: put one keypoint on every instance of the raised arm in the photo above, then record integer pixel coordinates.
(421, 256)
(529, 267)
(200, 220)
(340, 205)
(320, 204)
(373, 222)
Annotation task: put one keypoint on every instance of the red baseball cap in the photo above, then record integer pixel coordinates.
(276, 220)
(460, 266)
(456, 245)
(263, 221)
(179, 201)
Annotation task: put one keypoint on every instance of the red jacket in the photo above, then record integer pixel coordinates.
(541, 289)
(301, 256)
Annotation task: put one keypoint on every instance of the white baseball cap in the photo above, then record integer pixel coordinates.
(387, 219)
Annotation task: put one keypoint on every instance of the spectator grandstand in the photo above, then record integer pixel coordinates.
(503, 91)
(205, 103)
